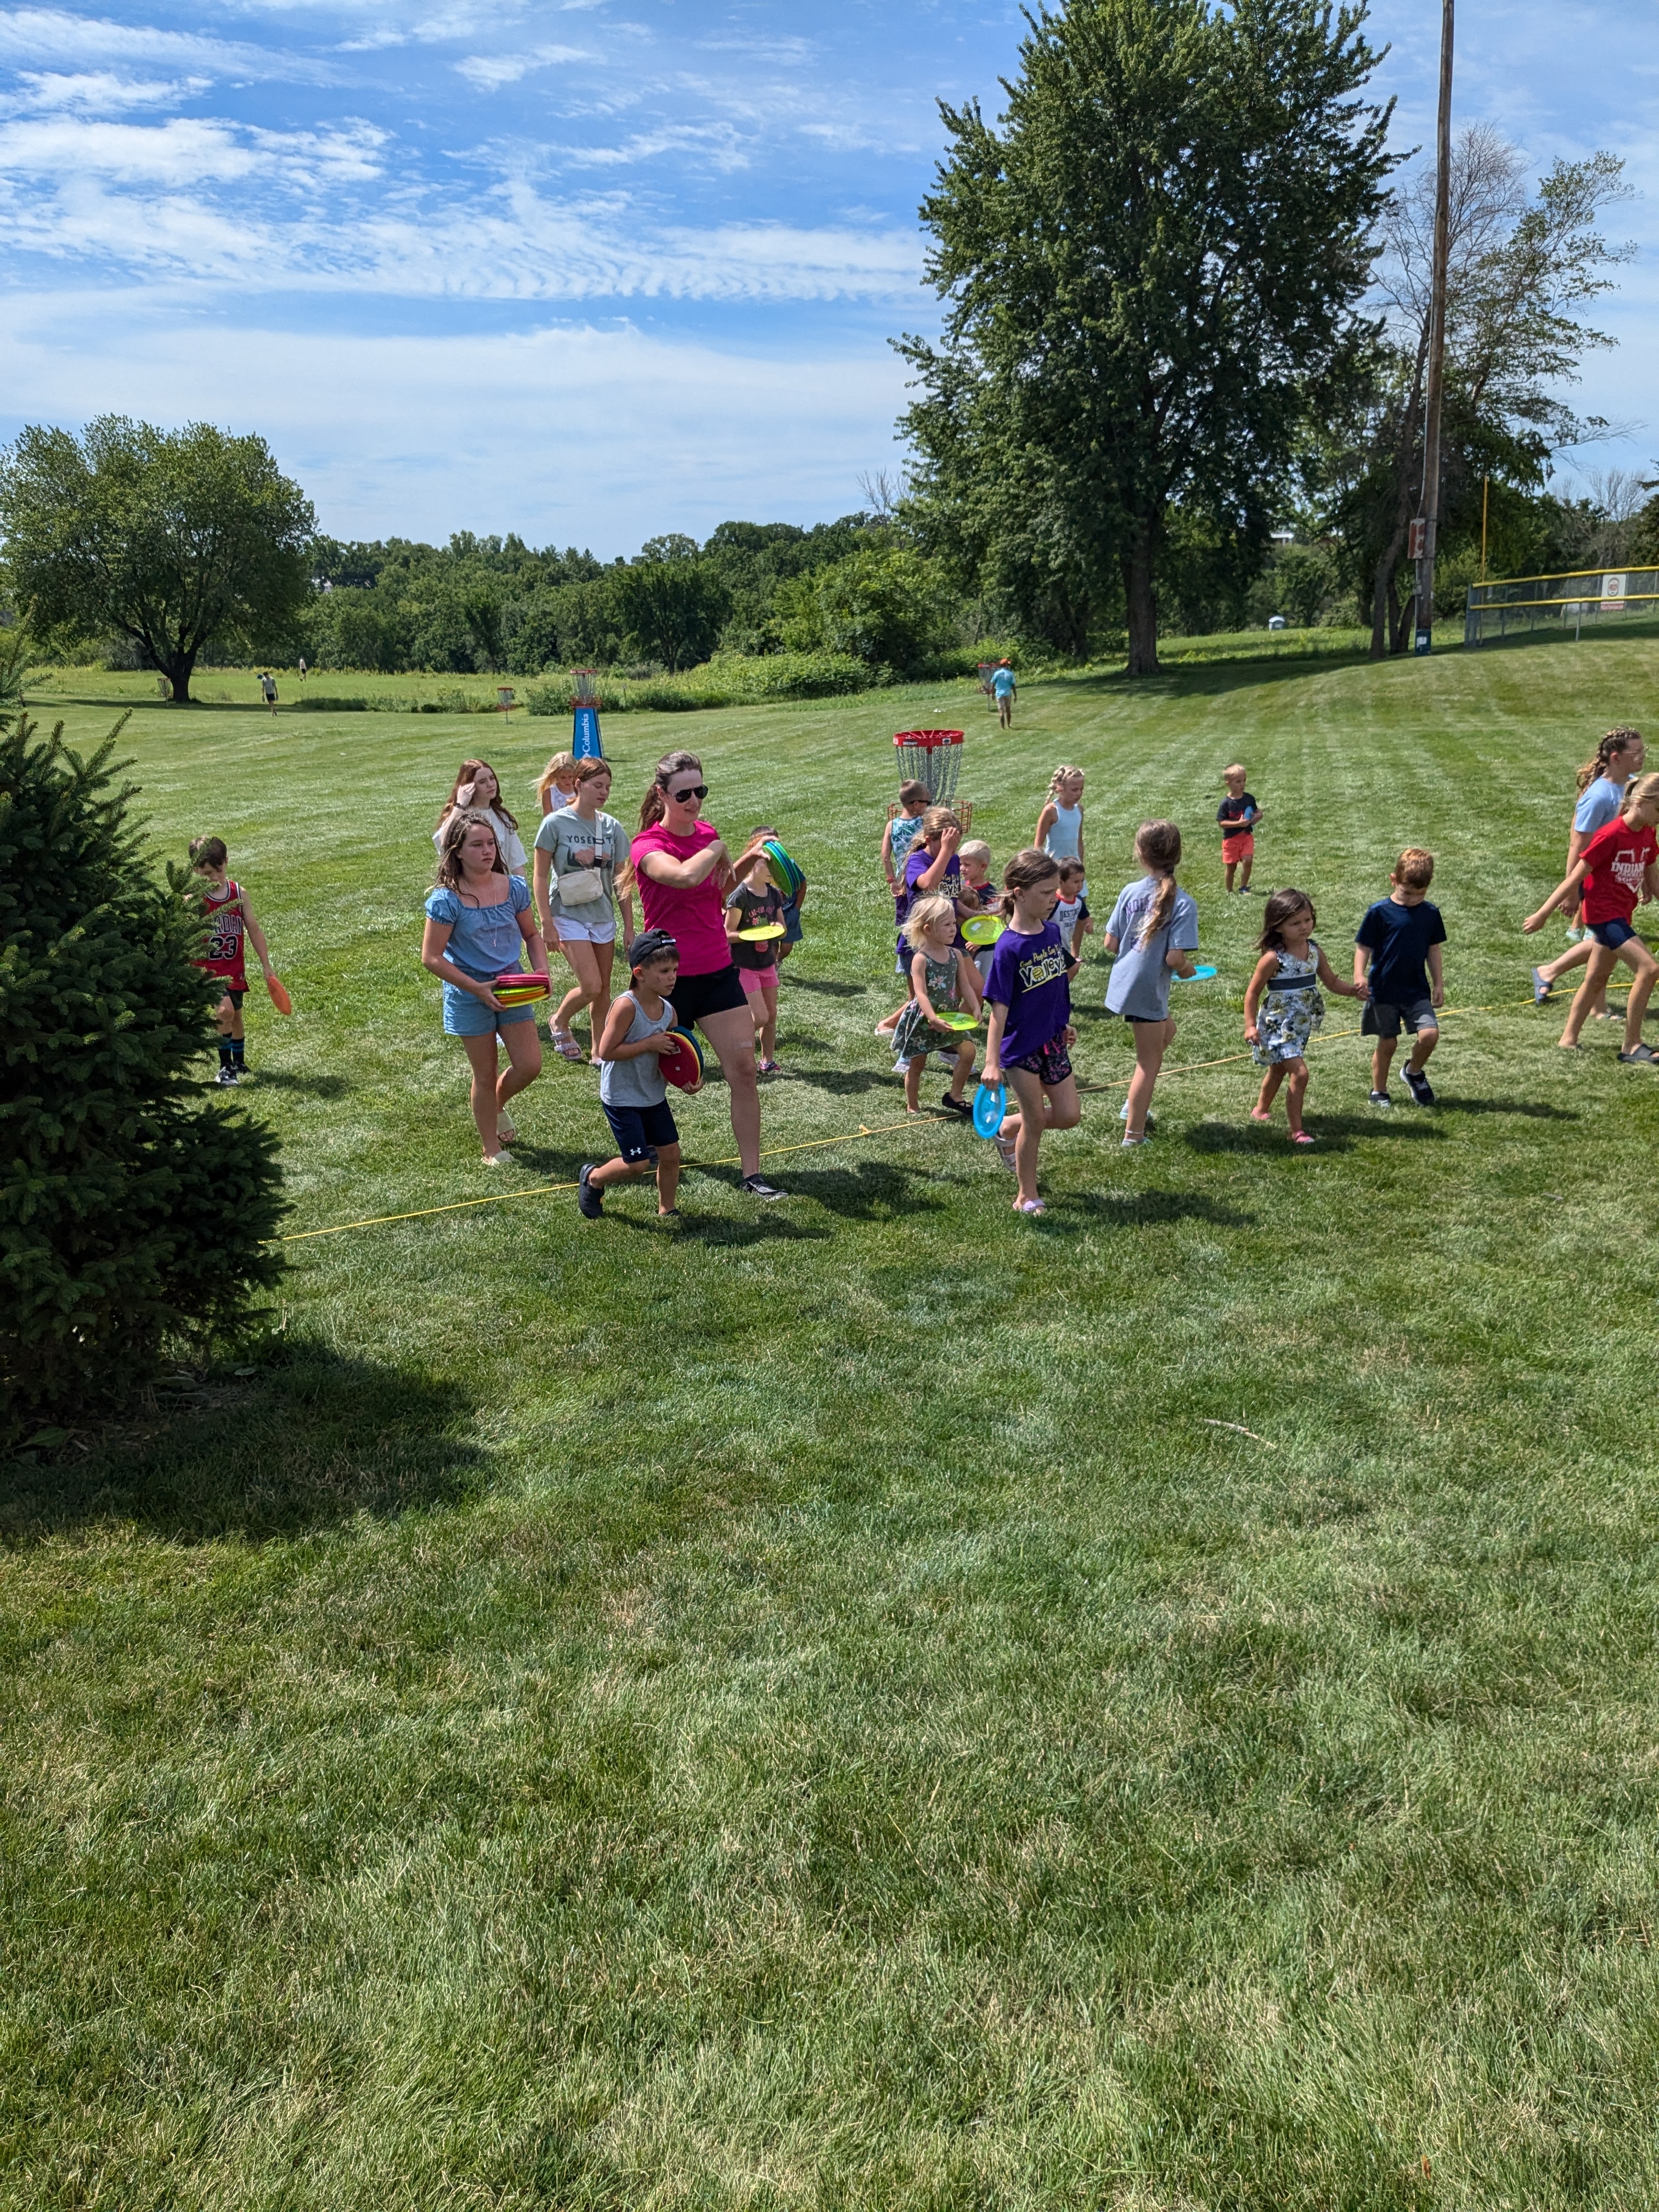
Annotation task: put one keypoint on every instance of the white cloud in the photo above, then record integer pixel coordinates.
(184, 152)
(34, 35)
(101, 92)
(596, 436)
(488, 72)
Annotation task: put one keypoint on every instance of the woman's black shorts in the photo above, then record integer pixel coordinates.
(696, 997)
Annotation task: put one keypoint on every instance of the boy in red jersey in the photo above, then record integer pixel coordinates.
(231, 919)
(1617, 871)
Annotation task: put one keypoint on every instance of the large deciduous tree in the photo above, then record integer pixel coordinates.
(165, 537)
(1521, 266)
(669, 603)
(1151, 270)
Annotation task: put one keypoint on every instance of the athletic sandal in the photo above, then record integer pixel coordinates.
(565, 1044)
(1542, 987)
(768, 1068)
(1005, 1154)
(1123, 1115)
(1030, 1206)
(757, 1187)
(1645, 1053)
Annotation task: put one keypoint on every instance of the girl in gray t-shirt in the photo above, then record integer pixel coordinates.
(1153, 931)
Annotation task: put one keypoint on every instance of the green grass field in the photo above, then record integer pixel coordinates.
(823, 1705)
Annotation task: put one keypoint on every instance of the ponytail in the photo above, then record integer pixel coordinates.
(1025, 873)
(1157, 847)
(653, 807)
(1618, 739)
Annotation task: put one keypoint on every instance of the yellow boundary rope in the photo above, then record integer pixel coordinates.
(815, 1144)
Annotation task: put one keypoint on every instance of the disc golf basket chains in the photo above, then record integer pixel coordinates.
(932, 758)
(988, 669)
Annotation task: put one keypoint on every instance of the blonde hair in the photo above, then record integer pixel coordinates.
(1414, 868)
(975, 849)
(1638, 793)
(1618, 739)
(1238, 768)
(1157, 847)
(560, 765)
(1028, 868)
(936, 821)
(1061, 774)
(922, 916)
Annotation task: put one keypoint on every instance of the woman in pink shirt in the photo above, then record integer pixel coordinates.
(683, 872)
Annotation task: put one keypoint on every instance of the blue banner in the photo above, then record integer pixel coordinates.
(586, 746)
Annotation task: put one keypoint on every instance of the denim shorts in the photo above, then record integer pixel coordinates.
(1383, 1018)
(1613, 933)
(639, 1130)
(465, 1016)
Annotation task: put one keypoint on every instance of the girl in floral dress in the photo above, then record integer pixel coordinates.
(945, 981)
(1283, 1007)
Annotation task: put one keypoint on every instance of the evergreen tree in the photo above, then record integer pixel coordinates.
(134, 1207)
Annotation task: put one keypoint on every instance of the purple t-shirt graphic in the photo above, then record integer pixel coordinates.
(1028, 976)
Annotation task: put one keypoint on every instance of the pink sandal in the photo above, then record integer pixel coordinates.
(565, 1044)
(1302, 1136)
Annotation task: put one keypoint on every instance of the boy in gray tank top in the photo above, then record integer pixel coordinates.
(633, 1089)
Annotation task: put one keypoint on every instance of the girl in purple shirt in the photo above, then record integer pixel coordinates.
(1027, 992)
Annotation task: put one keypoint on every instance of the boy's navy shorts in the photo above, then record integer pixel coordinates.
(639, 1130)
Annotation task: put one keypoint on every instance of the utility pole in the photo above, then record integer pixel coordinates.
(1424, 535)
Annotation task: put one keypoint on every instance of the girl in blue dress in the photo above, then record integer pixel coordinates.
(1283, 1008)
(480, 923)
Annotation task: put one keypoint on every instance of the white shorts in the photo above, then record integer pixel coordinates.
(585, 932)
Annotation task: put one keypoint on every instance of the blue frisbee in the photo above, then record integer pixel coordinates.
(990, 1105)
(1198, 976)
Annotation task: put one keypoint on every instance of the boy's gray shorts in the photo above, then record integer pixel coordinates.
(1383, 1019)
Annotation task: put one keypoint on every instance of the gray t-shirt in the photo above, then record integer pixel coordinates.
(638, 1080)
(1140, 982)
(601, 843)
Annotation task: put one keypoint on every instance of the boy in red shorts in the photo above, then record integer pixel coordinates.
(1238, 815)
(231, 921)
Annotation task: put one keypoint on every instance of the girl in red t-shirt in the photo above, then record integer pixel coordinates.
(1617, 871)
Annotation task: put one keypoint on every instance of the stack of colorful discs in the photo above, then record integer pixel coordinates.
(684, 1068)
(788, 877)
(982, 929)
(520, 987)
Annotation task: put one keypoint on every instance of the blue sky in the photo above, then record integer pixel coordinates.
(595, 269)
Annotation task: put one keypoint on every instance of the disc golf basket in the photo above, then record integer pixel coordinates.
(988, 669)
(505, 700)
(585, 740)
(932, 758)
(583, 687)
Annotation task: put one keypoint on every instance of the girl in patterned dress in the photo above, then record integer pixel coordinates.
(1283, 1007)
(945, 981)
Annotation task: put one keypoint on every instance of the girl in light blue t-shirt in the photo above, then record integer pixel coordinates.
(1153, 933)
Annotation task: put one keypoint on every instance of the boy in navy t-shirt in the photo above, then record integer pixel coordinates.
(1401, 938)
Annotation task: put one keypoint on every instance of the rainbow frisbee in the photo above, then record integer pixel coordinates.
(789, 878)
(982, 929)
(684, 1068)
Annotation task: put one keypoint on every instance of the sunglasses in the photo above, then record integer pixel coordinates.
(691, 790)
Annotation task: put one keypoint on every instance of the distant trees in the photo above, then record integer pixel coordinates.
(165, 538)
(670, 603)
(1522, 266)
(1153, 274)
(886, 605)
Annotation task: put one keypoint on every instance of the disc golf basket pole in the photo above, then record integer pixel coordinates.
(585, 742)
(504, 701)
(988, 669)
(932, 758)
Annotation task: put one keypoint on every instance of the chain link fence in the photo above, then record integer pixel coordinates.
(1521, 605)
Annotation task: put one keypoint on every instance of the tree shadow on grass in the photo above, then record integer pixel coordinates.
(1209, 678)
(849, 1082)
(312, 1439)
